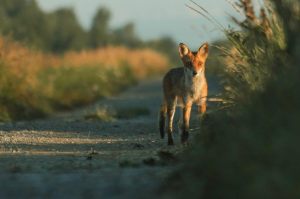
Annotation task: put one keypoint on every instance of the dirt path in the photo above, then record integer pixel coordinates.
(109, 150)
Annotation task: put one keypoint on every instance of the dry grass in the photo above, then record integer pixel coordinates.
(142, 62)
(249, 55)
(22, 64)
(34, 84)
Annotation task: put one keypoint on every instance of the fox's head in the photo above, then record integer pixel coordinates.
(194, 61)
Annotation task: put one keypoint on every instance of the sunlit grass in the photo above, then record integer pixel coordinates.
(35, 84)
(141, 61)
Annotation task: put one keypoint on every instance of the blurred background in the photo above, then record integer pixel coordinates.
(152, 20)
(61, 54)
(47, 46)
(139, 20)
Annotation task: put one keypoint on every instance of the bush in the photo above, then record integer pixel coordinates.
(250, 150)
(34, 84)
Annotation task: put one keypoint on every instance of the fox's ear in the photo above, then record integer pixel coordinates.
(183, 50)
(203, 50)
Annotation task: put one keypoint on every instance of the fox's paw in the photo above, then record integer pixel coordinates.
(170, 142)
(202, 116)
(184, 137)
(205, 115)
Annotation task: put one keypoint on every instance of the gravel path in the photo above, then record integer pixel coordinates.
(108, 150)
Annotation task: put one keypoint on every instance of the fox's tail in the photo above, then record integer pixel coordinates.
(162, 119)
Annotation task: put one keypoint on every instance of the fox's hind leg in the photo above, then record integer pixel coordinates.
(170, 113)
(162, 119)
(180, 103)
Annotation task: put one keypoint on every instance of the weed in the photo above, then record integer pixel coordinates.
(102, 114)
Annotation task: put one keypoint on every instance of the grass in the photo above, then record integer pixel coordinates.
(102, 113)
(250, 150)
(79, 86)
(128, 113)
(34, 84)
(111, 114)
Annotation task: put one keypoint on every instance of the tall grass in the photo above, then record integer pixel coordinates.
(255, 50)
(34, 84)
(249, 50)
(142, 62)
(251, 149)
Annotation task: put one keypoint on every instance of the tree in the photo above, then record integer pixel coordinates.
(24, 21)
(99, 33)
(66, 32)
(126, 36)
(167, 46)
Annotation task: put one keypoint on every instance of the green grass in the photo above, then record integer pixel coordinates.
(110, 114)
(14, 102)
(61, 88)
(35, 84)
(80, 86)
(101, 113)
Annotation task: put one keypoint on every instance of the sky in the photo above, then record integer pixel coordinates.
(154, 18)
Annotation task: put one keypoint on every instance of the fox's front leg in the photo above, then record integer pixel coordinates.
(186, 122)
(202, 108)
(202, 102)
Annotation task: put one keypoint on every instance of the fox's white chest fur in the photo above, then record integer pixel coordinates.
(193, 85)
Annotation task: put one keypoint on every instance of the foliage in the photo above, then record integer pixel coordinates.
(66, 33)
(167, 46)
(254, 52)
(60, 31)
(34, 84)
(126, 35)
(215, 65)
(99, 33)
(250, 150)
(24, 21)
(88, 63)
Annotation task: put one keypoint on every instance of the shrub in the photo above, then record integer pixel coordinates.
(34, 84)
(250, 150)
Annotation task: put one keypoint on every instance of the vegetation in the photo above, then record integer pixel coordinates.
(250, 148)
(34, 84)
(60, 31)
(49, 62)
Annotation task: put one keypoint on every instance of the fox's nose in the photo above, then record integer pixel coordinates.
(194, 73)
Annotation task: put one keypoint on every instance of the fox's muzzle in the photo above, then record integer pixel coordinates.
(194, 73)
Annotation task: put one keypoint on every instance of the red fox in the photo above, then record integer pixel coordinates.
(184, 86)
